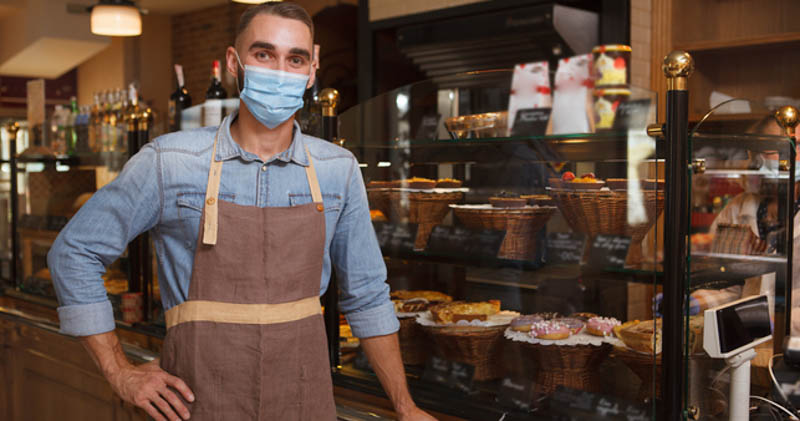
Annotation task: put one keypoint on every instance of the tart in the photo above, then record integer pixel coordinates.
(586, 182)
(643, 336)
(448, 183)
(419, 183)
(379, 184)
(538, 199)
(453, 312)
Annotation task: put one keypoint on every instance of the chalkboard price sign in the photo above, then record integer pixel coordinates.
(565, 247)
(449, 373)
(583, 405)
(517, 393)
(608, 251)
(632, 114)
(396, 238)
(463, 242)
(530, 122)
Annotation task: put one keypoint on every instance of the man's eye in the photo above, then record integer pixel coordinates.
(262, 55)
(296, 60)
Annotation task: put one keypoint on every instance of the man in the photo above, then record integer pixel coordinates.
(247, 220)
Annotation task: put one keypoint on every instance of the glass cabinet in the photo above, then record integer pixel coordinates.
(526, 266)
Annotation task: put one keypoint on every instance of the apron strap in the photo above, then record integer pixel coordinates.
(211, 224)
(313, 184)
(212, 194)
(257, 314)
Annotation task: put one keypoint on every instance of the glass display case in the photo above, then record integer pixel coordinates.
(481, 224)
(48, 188)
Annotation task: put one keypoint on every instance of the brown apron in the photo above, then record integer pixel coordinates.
(250, 339)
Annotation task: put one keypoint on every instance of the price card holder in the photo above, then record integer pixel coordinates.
(449, 373)
(565, 247)
(531, 122)
(632, 114)
(463, 242)
(395, 238)
(517, 393)
(608, 251)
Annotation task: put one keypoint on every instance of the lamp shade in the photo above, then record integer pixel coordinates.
(116, 20)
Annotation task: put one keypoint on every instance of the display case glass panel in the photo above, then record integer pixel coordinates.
(480, 224)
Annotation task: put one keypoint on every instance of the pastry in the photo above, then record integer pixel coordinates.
(586, 182)
(538, 199)
(460, 310)
(550, 330)
(574, 325)
(601, 326)
(583, 316)
(643, 336)
(523, 323)
(379, 184)
(448, 183)
(507, 200)
(419, 183)
(414, 301)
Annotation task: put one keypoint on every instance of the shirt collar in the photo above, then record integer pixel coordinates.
(227, 148)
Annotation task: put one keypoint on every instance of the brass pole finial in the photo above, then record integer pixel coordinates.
(677, 67)
(13, 128)
(787, 119)
(329, 99)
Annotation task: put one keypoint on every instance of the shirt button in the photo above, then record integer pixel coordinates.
(263, 168)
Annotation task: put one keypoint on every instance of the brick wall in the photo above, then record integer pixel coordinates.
(641, 29)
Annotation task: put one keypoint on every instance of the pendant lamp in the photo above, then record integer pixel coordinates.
(119, 18)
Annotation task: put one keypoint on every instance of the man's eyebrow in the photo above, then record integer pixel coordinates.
(262, 44)
(301, 52)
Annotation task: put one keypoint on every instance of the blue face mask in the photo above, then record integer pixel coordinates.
(272, 96)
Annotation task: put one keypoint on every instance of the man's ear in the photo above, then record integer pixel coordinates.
(231, 64)
(314, 66)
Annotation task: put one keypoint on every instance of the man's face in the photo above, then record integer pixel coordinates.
(276, 43)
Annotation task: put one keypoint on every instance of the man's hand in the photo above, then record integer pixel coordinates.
(148, 387)
(414, 414)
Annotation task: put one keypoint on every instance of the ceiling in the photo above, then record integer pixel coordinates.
(172, 7)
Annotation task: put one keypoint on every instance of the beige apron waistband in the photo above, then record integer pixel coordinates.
(254, 314)
(212, 192)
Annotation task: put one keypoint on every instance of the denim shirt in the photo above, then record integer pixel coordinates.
(162, 189)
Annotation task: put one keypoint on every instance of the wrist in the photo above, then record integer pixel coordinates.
(405, 406)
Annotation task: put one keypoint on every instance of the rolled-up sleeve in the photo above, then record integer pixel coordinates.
(361, 272)
(96, 236)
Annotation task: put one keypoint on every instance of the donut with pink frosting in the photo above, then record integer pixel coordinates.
(523, 323)
(601, 326)
(550, 330)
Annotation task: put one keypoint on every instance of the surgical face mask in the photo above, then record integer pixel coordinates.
(272, 96)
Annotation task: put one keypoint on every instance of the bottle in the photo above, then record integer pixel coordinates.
(215, 90)
(178, 101)
(72, 122)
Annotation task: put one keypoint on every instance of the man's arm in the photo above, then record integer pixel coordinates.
(383, 353)
(146, 386)
(93, 239)
(364, 297)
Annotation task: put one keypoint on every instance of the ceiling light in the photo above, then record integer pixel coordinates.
(116, 18)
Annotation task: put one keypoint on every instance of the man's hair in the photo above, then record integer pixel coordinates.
(282, 9)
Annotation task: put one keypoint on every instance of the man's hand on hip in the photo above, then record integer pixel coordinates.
(148, 387)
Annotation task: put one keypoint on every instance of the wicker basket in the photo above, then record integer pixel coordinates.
(606, 212)
(379, 200)
(642, 365)
(480, 347)
(520, 225)
(414, 347)
(424, 209)
(569, 366)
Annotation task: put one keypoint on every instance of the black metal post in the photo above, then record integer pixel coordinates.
(329, 99)
(677, 66)
(787, 118)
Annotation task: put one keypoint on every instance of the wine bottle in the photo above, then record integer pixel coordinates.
(178, 101)
(215, 90)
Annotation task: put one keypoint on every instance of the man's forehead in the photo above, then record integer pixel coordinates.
(278, 31)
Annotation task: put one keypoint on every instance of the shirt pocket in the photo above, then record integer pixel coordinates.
(190, 205)
(331, 202)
